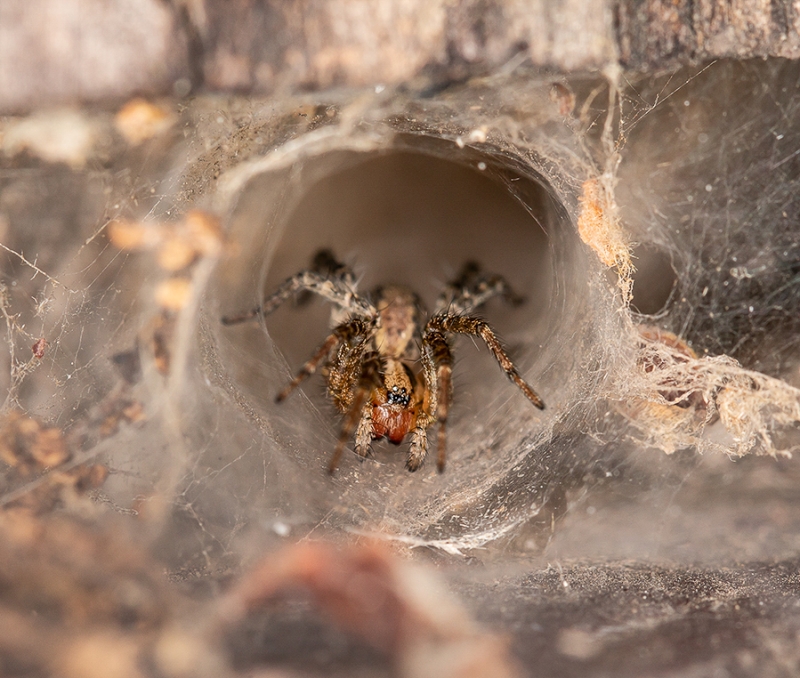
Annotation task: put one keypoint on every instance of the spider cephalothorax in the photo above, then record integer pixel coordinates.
(388, 375)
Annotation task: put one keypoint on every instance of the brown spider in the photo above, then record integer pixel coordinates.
(370, 356)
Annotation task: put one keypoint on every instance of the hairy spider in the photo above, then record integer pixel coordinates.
(370, 358)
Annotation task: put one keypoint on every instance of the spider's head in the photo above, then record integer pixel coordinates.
(398, 395)
(393, 407)
(398, 382)
(393, 416)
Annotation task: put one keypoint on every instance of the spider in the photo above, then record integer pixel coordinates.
(387, 374)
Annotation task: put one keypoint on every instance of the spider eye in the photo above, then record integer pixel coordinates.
(398, 396)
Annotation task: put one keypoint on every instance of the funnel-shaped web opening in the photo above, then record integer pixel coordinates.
(412, 214)
(654, 281)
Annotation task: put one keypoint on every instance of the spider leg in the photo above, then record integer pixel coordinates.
(327, 265)
(309, 367)
(347, 367)
(359, 415)
(418, 449)
(364, 433)
(473, 288)
(437, 365)
(354, 329)
(334, 284)
(477, 327)
(425, 403)
(353, 416)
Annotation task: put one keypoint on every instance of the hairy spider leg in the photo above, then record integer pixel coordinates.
(345, 333)
(241, 317)
(340, 290)
(425, 400)
(472, 289)
(437, 361)
(477, 327)
(359, 415)
(468, 299)
(327, 265)
(343, 373)
(418, 449)
(348, 426)
(364, 433)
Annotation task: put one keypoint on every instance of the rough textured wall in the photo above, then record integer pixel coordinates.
(66, 51)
